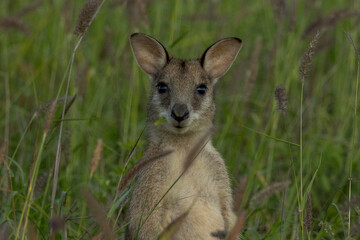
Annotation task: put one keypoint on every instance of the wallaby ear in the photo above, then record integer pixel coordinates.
(218, 58)
(149, 53)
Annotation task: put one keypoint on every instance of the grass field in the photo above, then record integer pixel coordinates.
(294, 170)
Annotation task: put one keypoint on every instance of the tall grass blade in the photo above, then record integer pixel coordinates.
(99, 215)
(58, 151)
(354, 135)
(308, 189)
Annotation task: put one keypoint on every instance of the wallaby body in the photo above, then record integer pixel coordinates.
(182, 93)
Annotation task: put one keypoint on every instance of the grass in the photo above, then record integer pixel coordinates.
(258, 142)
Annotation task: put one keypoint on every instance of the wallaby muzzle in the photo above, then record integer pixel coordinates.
(180, 112)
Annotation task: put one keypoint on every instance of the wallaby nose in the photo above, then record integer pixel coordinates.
(179, 112)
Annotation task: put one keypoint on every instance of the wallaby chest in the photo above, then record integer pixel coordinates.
(197, 182)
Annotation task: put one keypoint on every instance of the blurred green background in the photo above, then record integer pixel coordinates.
(37, 41)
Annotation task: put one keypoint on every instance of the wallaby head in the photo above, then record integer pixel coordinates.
(182, 91)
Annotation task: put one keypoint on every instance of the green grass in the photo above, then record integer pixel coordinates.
(257, 142)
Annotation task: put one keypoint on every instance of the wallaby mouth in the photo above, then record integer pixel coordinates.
(179, 126)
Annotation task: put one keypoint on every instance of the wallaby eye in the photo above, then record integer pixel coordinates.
(162, 88)
(201, 89)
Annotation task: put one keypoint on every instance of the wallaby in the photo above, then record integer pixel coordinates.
(182, 94)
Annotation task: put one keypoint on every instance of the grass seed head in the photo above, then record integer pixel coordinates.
(49, 117)
(96, 156)
(3, 151)
(268, 192)
(307, 58)
(308, 221)
(40, 184)
(85, 17)
(281, 99)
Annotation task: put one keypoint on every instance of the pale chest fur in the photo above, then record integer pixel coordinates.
(198, 180)
(196, 190)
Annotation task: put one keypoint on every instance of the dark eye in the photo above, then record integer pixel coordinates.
(201, 89)
(162, 87)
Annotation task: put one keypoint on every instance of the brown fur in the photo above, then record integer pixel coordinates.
(204, 190)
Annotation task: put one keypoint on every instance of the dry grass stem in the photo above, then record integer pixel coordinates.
(8, 23)
(134, 147)
(34, 155)
(136, 11)
(293, 14)
(134, 170)
(46, 106)
(355, 228)
(239, 193)
(219, 234)
(97, 236)
(58, 151)
(49, 117)
(281, 99)
(7, 113)
(307, 58)
(356, 50)
(196, 149)
(254, 69)
(66, 16)
(56, 224)
(81, 78)
(330, 20)
(32, 232)
(99, 214)
(297, 233)
(3, 160)
(239, 224)
(126, 163)
(282, 219)
(96, 156)
(354, 202)
(28, 8)
(5, 231)
(280, 9)
(170, 231)
(3, 151)
(40, 184)
(86, 15)
(268, 192)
